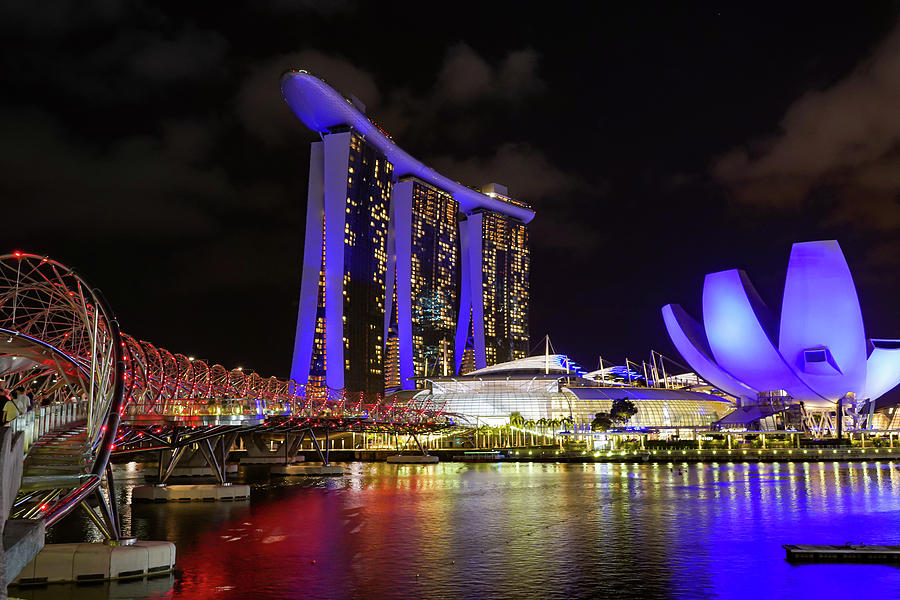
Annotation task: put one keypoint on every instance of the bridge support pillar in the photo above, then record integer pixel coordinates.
(421, 449)
(22, 539)
(191, 493)
(61, 563)
(312, 436)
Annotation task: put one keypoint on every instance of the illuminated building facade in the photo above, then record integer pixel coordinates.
(404, 270)
(425, 236)
(345, 264)
(817, 354)
(498, 267)
(392, 362)
(550, 389)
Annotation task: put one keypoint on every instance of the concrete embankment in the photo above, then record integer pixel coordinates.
(675, 455)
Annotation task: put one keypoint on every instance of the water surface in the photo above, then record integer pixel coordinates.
(520, 530)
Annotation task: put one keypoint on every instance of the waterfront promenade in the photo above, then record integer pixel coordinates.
(544, 455)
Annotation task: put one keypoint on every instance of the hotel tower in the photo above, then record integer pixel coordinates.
(406, 274)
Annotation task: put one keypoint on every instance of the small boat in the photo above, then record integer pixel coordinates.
(845, 553)
(479, 457)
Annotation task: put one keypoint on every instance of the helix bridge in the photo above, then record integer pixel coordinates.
(99, 392)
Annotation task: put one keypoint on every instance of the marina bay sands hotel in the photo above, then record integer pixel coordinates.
(406, 273)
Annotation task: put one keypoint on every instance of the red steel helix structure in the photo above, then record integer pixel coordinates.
(159, 382)
(60, 341)
(64, 345)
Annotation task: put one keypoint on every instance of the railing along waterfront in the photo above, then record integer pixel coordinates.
(42, 420)
(714, 455)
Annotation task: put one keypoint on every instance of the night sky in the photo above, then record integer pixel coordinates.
(148, 147)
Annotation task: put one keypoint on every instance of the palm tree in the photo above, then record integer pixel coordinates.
(516, 420)
(482, 430)
(529, 426)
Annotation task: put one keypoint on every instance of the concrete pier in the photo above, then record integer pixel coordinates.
(307, 470)
(270, 460)
(413, 459)
(61, 563)
(203, 471)
(190, 493)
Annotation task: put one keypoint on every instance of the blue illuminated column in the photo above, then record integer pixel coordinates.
(324, 237)
(337, 157)
(401, 207)
(390, 276)
(312, 265)
(465, 298)
(471, 290)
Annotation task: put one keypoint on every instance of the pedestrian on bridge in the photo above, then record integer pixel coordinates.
(22, 401)
(10, 411)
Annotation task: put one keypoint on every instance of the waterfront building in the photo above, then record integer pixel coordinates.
(345, 263)
(495, 296)
(551, 389)
(424, 288)
(818, 359)
(406, 273)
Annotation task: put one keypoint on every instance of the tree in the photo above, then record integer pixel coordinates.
(517, 422)
(622, 409)
(483, 431)
(601, 422)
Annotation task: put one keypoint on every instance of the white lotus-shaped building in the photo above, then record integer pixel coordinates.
(817, 354)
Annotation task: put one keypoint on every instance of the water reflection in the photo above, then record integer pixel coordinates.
(523, 530)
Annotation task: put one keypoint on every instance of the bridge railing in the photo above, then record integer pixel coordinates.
(40, 421)
(188, 407)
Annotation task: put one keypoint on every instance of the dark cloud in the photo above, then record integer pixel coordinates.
(843, 141)
(531, 176)
(527, 172)
(49, 18)
(324, 7)
(138, 186)
(466, 76)
(186, 56)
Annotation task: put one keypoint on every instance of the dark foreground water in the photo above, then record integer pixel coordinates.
(521, 531)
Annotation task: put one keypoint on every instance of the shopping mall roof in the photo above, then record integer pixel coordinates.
(641, 393)
(556, 365)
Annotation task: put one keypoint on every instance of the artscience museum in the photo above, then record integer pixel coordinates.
(816, 356)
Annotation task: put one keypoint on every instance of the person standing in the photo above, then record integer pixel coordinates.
(10, 411)
(21, 401)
